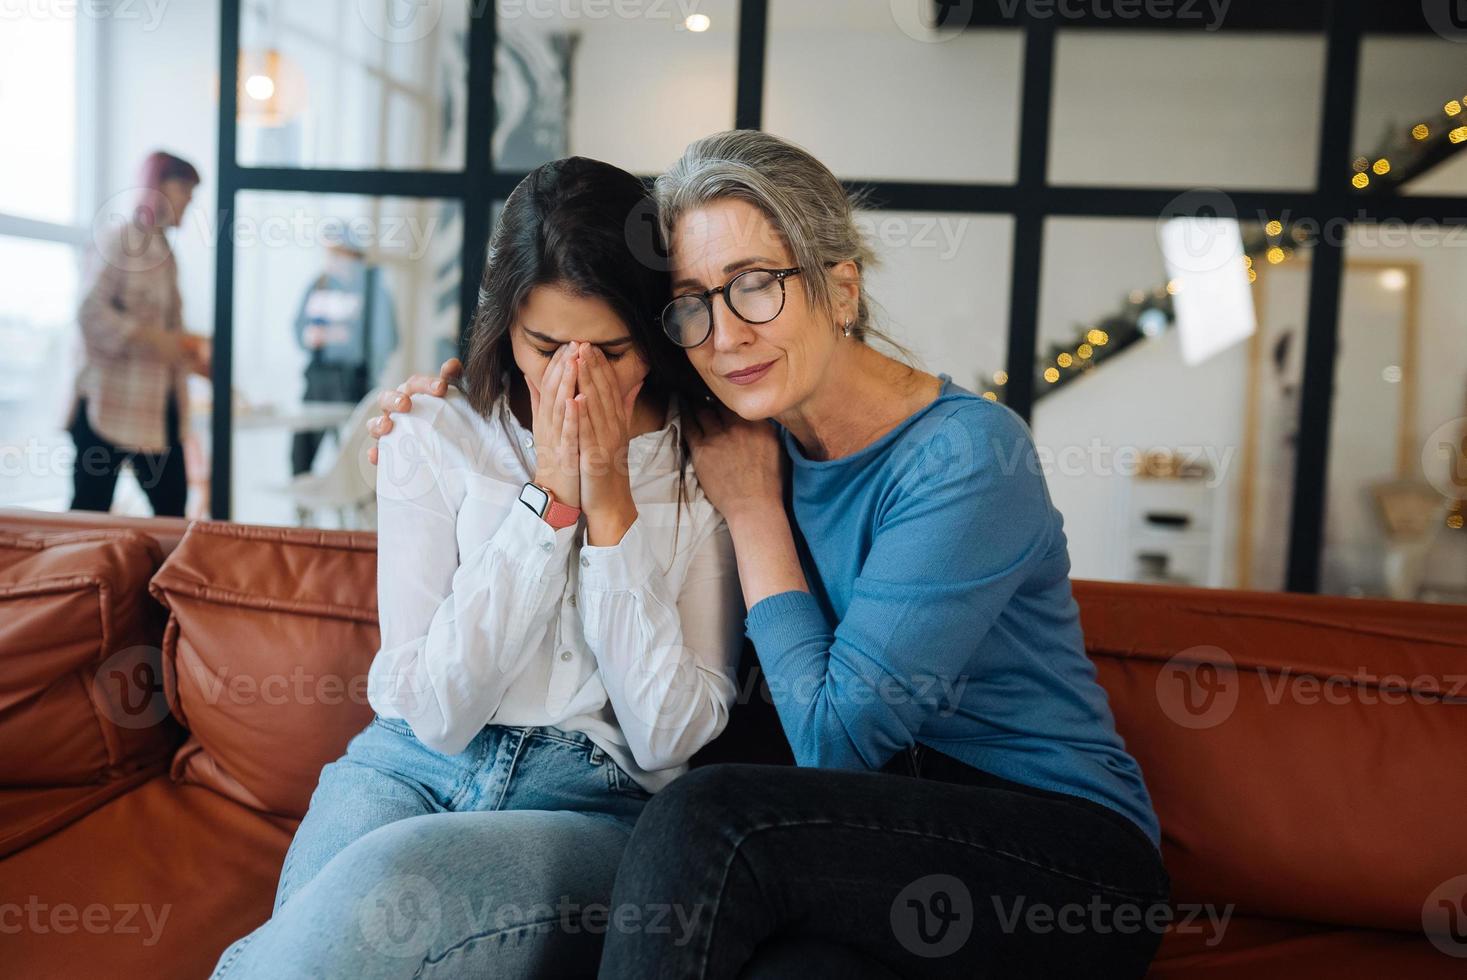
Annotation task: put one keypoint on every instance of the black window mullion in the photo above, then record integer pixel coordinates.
(753, 43)
(1311, 466)
(1024, 284)
(221, 372)
(478, 183)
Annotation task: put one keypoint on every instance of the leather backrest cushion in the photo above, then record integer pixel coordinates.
(266, 656)
(1304, 753)
(80, 659)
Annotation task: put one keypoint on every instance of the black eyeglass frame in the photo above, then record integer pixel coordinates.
(706, 296)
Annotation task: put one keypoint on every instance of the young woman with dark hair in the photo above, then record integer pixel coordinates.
(560, 621)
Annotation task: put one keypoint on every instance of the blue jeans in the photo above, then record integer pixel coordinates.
(409, 863)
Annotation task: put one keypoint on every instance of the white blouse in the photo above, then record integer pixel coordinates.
(489, 615)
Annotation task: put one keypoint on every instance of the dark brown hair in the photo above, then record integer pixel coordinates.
(589, 228)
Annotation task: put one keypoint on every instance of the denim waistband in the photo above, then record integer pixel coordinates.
(924, 762)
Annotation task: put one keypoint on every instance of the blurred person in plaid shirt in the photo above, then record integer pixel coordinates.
(131, 390)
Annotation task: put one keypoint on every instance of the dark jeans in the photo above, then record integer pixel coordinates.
(161, 475)
(792, 872)
(325, 383)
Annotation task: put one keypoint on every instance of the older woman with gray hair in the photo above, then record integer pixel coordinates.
(962, 803)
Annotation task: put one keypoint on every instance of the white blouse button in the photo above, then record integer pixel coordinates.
(529, 441)
(585, 562)
(565, 655)
(573, 599)
(546, 546)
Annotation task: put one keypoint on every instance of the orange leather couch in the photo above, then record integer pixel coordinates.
(169, 692)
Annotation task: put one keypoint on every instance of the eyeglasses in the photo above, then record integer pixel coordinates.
(754, 296)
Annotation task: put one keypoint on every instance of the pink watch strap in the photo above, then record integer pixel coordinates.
(559, 515)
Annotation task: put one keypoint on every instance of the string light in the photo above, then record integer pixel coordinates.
(1455, 522)
(1421, 131)
(1275, 255)
(1064, 360)
(1452, 108)
(1084, 351)
(1000, 378)
(990, 396)
(1360, 180)
(1172, 286)
(1051, 375)
(1382, 166)
(1274, 228)
(1252, 275)
(1458, 135)
(1360, 163)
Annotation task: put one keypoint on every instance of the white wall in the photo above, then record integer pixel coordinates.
(159, 85)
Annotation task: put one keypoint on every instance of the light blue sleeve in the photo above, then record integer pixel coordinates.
(969, 518)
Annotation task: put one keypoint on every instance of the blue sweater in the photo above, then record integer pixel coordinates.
(941, 613)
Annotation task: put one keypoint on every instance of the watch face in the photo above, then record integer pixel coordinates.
(535, 498)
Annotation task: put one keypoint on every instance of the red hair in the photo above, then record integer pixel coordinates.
(158, 167)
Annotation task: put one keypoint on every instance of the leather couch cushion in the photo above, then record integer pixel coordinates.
(80, 663)
(1274, 949)
(154, 884)
(266, 656)
(1304, 753)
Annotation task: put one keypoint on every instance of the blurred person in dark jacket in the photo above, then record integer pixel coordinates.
(347, 324)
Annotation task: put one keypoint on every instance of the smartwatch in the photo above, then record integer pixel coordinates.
(547, 508)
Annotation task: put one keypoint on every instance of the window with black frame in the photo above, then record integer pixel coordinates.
(1208, 253)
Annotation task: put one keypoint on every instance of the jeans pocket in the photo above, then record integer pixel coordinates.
(619, 782)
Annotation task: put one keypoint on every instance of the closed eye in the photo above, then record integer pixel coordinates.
(548, 354)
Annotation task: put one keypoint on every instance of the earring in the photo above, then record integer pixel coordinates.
(847, 329)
